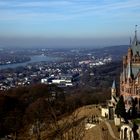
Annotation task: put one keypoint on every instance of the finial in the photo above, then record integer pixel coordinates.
(136, 27)
(136, 30)
(130, 41)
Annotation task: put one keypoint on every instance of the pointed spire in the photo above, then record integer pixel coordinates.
(136, 31)
(114, 85)
(113, 90)
(129, 55)
(124, 75)
(129, 71)
(135, 41)
(130, 41)
(135, 38)
(137, 79)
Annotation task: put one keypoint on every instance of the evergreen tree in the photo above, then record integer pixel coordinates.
(120, 108)
(134, 109)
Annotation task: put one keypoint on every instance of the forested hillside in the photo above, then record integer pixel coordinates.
(23, 106)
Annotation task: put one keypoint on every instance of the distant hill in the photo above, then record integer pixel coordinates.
(121, 48)
(116, 52)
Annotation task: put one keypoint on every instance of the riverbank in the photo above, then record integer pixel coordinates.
(36, 58)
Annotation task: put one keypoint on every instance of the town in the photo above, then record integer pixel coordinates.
(65, 70)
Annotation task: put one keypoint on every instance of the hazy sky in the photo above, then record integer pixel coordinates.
(67, 22)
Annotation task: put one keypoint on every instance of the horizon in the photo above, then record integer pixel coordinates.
(67, 23)
(60, 47)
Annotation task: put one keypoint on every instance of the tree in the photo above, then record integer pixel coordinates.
(120, 108)
(134, 109)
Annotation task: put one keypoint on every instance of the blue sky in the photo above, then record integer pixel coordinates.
(67, 22)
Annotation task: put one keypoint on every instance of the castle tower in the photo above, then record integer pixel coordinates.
(129, 55)
(135, 40)
(113, 94)
(129, 80)
(130, 75)
(123, 75)
(112, 103)
(113, 89)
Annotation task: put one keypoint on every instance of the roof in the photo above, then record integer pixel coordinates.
(136, 48)
(135, 45)
(132, 70)
(114, 85)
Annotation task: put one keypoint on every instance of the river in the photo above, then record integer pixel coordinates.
(36, 58)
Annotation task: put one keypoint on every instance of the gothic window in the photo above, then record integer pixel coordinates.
(122, 88)
(128, 90)
(133, 60)
(137, 91)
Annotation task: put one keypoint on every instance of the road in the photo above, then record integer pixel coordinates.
(111, 131)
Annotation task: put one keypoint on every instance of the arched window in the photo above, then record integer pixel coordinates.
(125, 133)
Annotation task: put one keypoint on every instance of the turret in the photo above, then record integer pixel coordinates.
(124, 61)
(113, 89)
(135, 41)
(130, 75)
(124, 68)
(113, 94)
(129, 55)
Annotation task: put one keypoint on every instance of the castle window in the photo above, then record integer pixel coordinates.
(135, 60)
(137, 91)
(130, 90)
(122, 88)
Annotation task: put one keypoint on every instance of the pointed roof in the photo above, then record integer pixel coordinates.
(129, 71)
(130, 41)
(114, 85)
(135, 37)
(135, 44)
(137, 75)
(123, 74)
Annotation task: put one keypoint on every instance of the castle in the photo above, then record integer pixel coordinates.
(130, 90)
(129, 80)
(130, 76)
